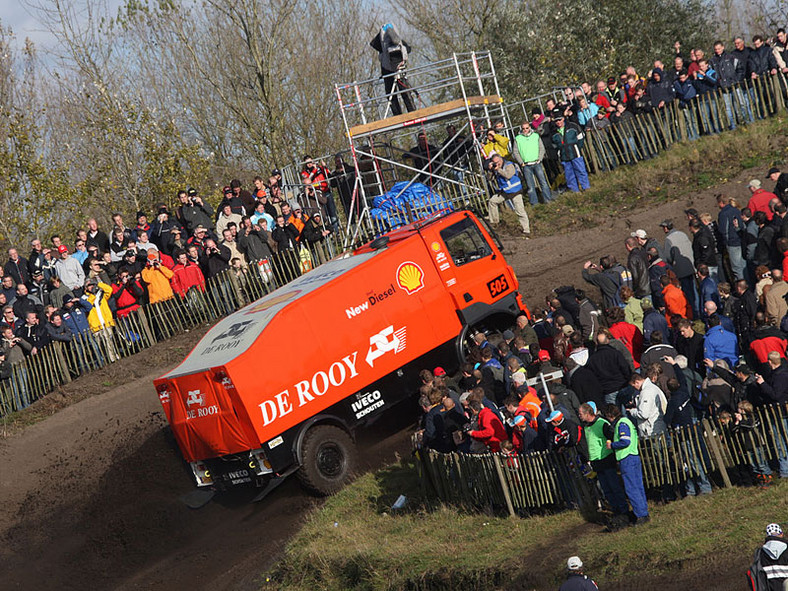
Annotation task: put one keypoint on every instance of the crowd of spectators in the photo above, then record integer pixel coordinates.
(86, 286)
(695, 88)
(694, 325)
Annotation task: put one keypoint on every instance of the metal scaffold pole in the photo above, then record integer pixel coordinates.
(451, 180)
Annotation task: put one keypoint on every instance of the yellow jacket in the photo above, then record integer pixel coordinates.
(499, 145)
(101, 316)
(158, 280)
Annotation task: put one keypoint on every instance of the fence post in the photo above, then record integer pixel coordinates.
(61, 361)
(146, 326)
(236, 289)
(504, 486)
(714, 446)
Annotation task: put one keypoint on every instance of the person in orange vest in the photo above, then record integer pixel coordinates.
(675, 300)
(530, 402)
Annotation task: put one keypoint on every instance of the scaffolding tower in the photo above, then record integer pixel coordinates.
(462, 91)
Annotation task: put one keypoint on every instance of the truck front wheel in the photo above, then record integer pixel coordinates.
(328, 459)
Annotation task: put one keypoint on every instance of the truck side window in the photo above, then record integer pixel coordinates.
(465, 242)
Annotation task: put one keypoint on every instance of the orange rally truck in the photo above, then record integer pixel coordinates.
(280, 385)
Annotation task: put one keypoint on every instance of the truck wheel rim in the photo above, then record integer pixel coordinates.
(330, 460)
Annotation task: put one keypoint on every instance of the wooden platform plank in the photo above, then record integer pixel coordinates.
(424, 114)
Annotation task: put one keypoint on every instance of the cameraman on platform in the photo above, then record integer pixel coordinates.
(393, 53)
(510, 187)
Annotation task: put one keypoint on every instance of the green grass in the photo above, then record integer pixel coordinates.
(355, 542)
(698, 165)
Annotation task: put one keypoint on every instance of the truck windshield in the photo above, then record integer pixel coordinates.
(465, 242)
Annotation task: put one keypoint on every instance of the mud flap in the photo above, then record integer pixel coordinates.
(198, 498)
(274, 483)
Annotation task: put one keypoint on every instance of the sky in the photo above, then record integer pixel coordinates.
(16, 15)
(22, 19)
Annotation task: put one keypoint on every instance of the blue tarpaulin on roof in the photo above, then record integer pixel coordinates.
(392, 207)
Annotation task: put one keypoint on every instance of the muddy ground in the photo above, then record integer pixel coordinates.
(90, 496)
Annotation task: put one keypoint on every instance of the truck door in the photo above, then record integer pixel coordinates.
(473, 270)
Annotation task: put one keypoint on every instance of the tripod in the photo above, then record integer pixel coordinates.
(396, 84)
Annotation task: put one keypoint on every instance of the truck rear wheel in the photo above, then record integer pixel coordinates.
(329, 458)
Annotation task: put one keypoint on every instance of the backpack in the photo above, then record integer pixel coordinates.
(756, 577)
(622, 277)
(496, 369)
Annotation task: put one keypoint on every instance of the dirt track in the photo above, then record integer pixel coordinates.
(89, 498)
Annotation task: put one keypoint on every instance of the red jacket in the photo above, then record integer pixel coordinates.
(767, 340)
(760, 202)
(318, 177)
(491, 431)
(603, 103)
(630, 335)
(127, 296)
(166, 260)
(185, 277)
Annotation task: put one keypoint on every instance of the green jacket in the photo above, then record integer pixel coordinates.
(625, 439)
(596, 440)
(528, 149)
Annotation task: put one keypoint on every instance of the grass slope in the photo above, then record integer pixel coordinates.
(355, 542)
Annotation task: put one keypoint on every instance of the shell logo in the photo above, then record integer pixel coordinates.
(410, 277)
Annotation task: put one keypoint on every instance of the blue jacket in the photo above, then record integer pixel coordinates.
(726, 323)
(587, 114)
(729, 230)
(512, 185)
(578, 582)
(660, 90)
(685, 91)
(77, 318)
(708, 292)
(721, 344)
(653, 320)
(568, 144)
(706, 82)
(680, 410)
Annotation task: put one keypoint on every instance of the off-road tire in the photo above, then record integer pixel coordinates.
(329, 459)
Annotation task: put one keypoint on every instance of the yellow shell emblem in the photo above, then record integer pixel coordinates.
(410, 277)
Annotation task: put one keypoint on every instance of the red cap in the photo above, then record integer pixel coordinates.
(544, 355)
(62, 248)
(438, 372)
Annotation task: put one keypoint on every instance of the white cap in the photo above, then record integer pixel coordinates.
(755, 183)
(574, 563)
(639, 234)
